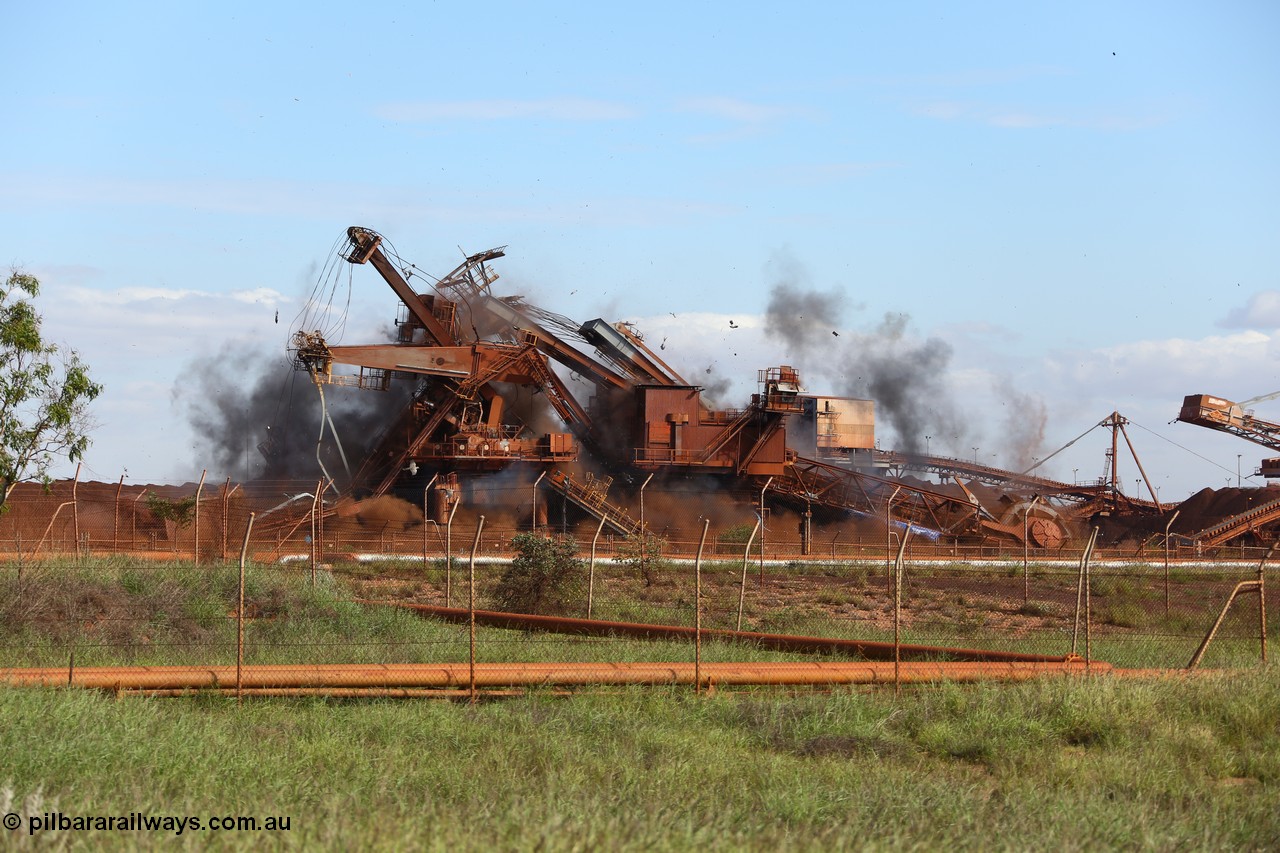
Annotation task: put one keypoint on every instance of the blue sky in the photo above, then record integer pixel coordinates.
(1079, 201)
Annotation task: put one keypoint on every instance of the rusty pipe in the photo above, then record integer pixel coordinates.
(517, 692)
(870, 649)
(351, 692)
(459, 676)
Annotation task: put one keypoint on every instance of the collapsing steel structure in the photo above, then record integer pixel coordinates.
(482, 360)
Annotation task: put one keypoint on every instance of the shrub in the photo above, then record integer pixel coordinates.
(181, 512)
(738, 534)
(545, 577)
(1034, 608)
(1110, 585)
(1122, 615)
(643, 553)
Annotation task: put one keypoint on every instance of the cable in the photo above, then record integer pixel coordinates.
(318, 312)
(1060, 449)
(1187, 449)
(324, 416)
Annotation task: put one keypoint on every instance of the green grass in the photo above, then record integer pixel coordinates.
(1051, 765)
(1058, 764)
(117, 612)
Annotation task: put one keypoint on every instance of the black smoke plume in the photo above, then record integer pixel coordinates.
(802, 319)
(255, 417)
(906, 377)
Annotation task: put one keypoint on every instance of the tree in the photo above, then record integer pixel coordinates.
(643, 553)
(44, 392)
(181, 512)
(545, 577)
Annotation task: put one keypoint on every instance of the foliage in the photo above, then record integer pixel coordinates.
(643, 554)
(1074, 764)
(545, 577)
(44, 392)
(181, 511)
(738, 534)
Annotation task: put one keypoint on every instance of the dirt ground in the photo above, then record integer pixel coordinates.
(968, 601)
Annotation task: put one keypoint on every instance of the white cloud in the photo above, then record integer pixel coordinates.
(733, 109)
(1262, 311)
(1174, 366)
(84, 296)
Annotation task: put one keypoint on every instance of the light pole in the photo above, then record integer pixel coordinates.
(1238, 455)
(975, 456)
(926, 445)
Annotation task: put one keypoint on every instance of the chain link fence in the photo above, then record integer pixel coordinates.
(109, 575)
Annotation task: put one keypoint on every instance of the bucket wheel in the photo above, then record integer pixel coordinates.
(1044, 524)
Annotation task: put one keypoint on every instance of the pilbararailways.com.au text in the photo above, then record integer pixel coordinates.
(140, 822)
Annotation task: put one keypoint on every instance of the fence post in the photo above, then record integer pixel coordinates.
(591, 571)
(1166, 560)
(1080, 586)
(133, 521)
(75, 509)
(315, 528)
(1026, 546)
(448, 555)
(471, 609)
(763, 489)
(226, 499)
(244, 549)
(746, 555)
(1258, 585)
(426, 515)
(1088, 610)
(195, 536)
(888, 542)
(115, 523)
(1262, 603)
(697, 610)
(897, 610)
(320, 520)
